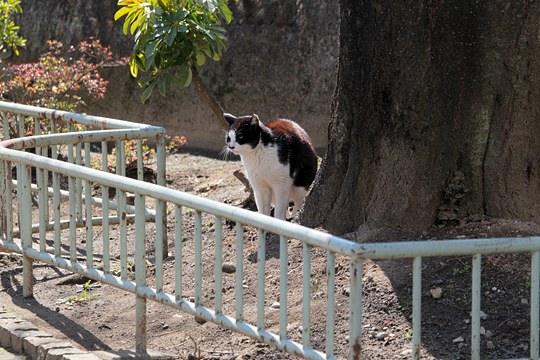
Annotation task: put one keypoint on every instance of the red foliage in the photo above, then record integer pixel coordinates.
(61, 78)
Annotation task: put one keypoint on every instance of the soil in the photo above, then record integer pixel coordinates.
(95, 316)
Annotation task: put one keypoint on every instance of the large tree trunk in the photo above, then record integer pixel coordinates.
(435, 115)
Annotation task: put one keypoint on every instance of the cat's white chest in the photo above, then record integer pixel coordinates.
(263, 167)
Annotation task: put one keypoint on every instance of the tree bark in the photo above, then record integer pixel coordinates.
(434, 116)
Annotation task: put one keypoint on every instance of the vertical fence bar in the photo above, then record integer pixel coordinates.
(88, 210)
(535, 304)
(355, 342)
(56, 197)
(162, 247)
(43, 203)
(417, 307)
(178, 245)
(20, 123)
(89, 229)
(56, 211)
(121, 210)
(475, 312)
(261, 259)
(78, 184)
(3, 203)
(140, 273)
(283, 285)
(9, 201)
(105, 210)
(219, 263)
(331, 303)
(72, 204)
(72, 221)
(25, 223)
(239, 286)
(161, 206)
(306, 301)
(6, 189)
(198, 258)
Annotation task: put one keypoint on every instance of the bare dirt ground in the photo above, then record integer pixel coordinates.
(95, 316)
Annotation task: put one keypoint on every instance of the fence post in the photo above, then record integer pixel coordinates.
(535, 303)
(475, 311)
(25, 223)
(161, 206)
(355, 338)
(140, 274)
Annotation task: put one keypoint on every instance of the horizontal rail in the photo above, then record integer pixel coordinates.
(79, 137)
(58, 115)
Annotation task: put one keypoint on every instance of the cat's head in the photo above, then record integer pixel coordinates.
(244, 133)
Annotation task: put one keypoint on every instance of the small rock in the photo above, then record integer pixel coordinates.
(489, 334)
(436, 293)
(482, 330)
(524, 301)
(457, 340)
(200, 320)
(406, 352)
(490, 345)
(228, 268)
(483, 315)
(346, 291)
(275, 305)
(381, 335)
(164, 326)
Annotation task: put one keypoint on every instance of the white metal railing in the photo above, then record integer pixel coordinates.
(142, 215)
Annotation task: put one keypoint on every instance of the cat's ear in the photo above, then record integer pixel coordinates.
(254, 120)
(229, 118)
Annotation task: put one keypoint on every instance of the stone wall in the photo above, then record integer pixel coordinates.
(281, 62)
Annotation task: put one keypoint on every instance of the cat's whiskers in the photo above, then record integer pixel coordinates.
(225, 152)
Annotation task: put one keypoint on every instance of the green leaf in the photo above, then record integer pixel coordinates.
(138, 22)
(145, 80)
(148, 91)
(185, 75)
(201, 59)
(225, 11)
(133, 69)
(121, 12)
(162, 86)
(165, 4)
(150, 50)
(169, 39)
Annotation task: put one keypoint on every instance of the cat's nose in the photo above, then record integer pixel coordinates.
(230, 147)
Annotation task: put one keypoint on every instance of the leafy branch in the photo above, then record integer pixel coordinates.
(10, 41)
(173, 39)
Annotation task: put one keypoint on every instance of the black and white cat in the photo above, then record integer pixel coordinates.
(279, 159)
